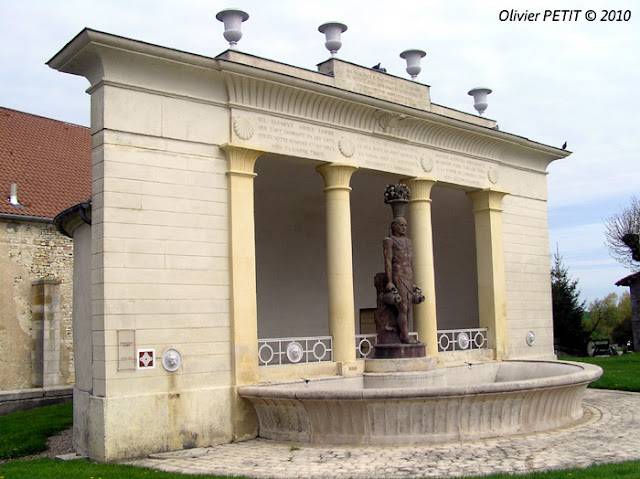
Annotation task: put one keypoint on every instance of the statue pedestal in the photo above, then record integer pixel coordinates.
(404, 365)
(400, 351)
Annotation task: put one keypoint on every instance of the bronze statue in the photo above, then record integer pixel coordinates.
(395, 290)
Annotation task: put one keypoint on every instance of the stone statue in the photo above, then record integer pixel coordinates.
(395, 290)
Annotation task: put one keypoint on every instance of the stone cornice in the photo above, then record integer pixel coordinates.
(264, 86)
(256, 89)
(73, 56)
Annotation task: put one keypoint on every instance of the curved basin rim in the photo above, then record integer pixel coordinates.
(585, 374)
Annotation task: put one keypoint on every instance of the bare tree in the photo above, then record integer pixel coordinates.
(622, 233)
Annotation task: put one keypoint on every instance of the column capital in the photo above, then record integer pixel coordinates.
(241, 159)
(487, 199)
(337, 175)
(420, 188)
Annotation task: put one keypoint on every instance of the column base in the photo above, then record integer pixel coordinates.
(351, 368)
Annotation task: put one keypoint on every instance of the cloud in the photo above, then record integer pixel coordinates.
(553, 81)
(582, 249)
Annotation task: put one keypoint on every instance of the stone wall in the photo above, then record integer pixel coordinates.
(31, 251)
(527, 267)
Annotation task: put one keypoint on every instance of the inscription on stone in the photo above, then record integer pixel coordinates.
(457, 169)
(126, 349)
(307, 140)
(295, 139)
(383, 155)
(381, 86)
(376, 84)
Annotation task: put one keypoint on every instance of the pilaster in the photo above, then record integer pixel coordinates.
(492, 302)
(46, 332)
(244, 304)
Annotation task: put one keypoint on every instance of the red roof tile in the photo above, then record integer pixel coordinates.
(629, 280)
(49, 160)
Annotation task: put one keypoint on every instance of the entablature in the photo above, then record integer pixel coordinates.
(293, 111)
(319, 100)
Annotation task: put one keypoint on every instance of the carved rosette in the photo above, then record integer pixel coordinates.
(346, 147)
(493, 174)
(389, 122)
(243, 128)
(427, 164)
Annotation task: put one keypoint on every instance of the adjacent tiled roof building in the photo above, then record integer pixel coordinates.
(629, 280)
(48, 160)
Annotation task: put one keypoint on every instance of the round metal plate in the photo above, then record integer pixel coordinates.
(531, 338)
(463, 340)
(171, 360)
(294, 352)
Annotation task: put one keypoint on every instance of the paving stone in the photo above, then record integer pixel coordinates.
(607, 433)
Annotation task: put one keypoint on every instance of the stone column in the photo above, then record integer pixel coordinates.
(339, 260)
(420, 229)
(492, 302)
(45, 307)
(242, 265)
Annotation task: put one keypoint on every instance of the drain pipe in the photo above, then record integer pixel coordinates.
(10, 216)
(82, 210)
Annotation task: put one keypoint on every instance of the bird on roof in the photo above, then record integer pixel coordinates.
(564, 145)
(379, 68)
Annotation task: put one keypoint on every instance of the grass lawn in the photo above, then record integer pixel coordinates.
(26, 432)
(620, 372)
(625, 470)
(86, 470)
(79, 469)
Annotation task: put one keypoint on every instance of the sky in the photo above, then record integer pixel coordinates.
(563, 78)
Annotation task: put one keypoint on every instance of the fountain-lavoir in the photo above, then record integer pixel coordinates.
(226, 262)
(464, 402)
(455, 403)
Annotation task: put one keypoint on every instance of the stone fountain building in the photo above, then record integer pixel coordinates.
(237, 209)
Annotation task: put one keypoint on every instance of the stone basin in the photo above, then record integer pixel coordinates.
(455, 403)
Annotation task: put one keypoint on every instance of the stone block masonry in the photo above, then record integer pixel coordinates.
(177, 243)
(30, 252)
(45, 308)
